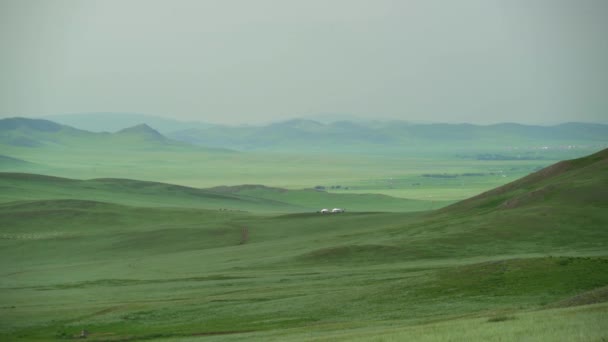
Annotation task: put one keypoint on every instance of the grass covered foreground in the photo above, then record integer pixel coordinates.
(518, 262)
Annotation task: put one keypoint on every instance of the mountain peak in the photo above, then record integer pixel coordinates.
(142, 131)
(137, 128)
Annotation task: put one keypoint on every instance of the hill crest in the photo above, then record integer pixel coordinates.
(142, 131)
(42, 125)
(552, 181)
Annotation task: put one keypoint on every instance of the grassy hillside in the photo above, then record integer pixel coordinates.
(582, 181)
(10, 163)
(21, 186)
(469, 272)
(318, 199)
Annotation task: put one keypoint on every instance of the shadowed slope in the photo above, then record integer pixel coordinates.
(141, 132)
(7, 162)
(582, 181)
(22, 186)
(562, 207)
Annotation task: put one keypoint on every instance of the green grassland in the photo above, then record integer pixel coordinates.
(430, 176)
(435, 163)
(252, 198)
(528, 260)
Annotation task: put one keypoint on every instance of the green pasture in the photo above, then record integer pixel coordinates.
(467, 272)
(171, 244)
(126, 273)
(259, 199)
(428, 175)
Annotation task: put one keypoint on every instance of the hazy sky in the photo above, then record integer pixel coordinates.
(233, 61)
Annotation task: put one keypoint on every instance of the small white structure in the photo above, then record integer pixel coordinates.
(333, 211)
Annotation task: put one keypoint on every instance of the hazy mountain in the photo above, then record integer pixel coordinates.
(112, 122)
(353, 136)
(328, 118)
(301, 134)
(311, 136)
(25, 132)
(22, 132)
(142, 132)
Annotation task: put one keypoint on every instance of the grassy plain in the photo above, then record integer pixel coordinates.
(430, 175)
(128, 258)
(485, 269)
(252, 198)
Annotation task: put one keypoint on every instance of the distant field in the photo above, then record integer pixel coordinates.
(251, 198)
(433, 176)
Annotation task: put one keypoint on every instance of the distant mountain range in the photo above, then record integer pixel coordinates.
(23, 132)
(354, 136)
(112, 122)
(308, 135)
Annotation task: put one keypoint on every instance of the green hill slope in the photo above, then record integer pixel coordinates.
(478, 270)
(20, 186)
(580, 182)
(316, 200)
(10, 163)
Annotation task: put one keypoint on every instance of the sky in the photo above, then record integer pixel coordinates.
(251, 61)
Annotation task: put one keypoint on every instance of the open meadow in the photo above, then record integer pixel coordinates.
(128, 260)
(328, 171)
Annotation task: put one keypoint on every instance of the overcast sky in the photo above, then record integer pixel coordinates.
(246, 61)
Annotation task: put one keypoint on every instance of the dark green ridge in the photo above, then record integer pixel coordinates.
(22, 186)
(582, 181)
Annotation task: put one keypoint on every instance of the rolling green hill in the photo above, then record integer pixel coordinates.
(10, 163)
(21, 186)
(579, 182)
(477, 270)
(316, 200)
